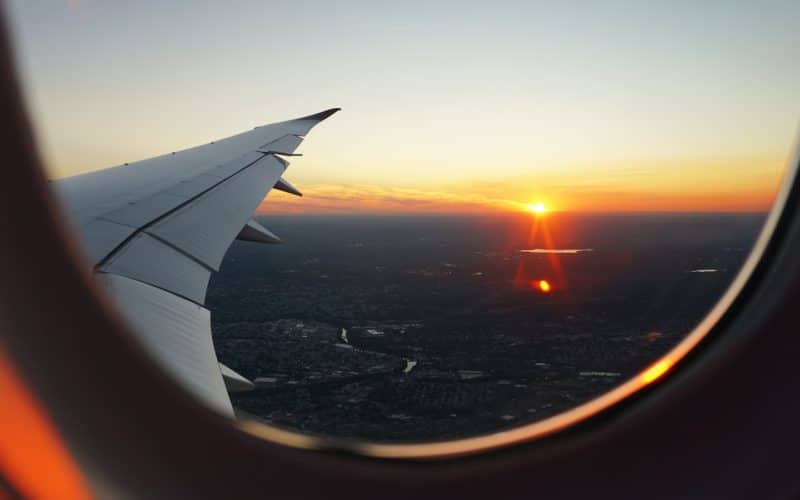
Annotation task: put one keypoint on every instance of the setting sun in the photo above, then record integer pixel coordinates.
(537, 208)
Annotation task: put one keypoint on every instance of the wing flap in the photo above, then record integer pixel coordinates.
(176, 332)
(206, 227)
(146, 259)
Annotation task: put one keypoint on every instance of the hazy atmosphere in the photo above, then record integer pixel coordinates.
(453, 107)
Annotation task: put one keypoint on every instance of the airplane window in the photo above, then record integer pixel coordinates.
(517, 210)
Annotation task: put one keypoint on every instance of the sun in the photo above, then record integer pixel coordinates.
(538, 208)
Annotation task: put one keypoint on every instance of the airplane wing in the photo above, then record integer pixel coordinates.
(154, 231)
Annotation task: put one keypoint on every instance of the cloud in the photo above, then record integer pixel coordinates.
(339, 198)
(514, 196)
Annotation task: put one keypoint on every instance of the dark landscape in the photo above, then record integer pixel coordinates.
(410, 328)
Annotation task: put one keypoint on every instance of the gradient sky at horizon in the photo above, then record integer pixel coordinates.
(452, 106)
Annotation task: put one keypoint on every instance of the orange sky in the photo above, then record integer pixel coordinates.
(320, 199)
(749, 186)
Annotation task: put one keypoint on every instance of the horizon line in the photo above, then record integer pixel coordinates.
(495, 213)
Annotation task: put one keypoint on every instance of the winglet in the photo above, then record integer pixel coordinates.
(321, 115)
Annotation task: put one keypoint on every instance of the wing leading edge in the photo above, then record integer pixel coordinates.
(154, 230)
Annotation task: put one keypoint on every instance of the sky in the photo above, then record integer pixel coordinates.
(447, 106)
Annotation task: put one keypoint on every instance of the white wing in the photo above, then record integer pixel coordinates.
(154, 230)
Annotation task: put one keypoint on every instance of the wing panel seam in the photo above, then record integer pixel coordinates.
(147, 225)
(179, 250)
(181, 296)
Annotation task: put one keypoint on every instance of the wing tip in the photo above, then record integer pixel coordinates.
(321, 115)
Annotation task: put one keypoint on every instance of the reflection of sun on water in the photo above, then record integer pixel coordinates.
(543, 286)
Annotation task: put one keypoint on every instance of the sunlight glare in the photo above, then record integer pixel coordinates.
(655, 371)
(537, 208)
